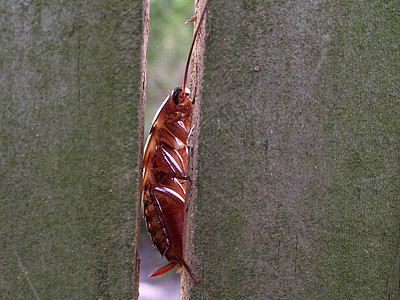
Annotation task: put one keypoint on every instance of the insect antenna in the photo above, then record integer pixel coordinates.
(191, 49)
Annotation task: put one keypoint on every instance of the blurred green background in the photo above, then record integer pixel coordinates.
(167, 51)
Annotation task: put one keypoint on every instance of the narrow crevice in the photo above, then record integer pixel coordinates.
(164, 63)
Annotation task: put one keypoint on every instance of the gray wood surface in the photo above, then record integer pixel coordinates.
(71, 138)
(296, 161)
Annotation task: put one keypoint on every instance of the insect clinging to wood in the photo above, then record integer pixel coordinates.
(165, 173)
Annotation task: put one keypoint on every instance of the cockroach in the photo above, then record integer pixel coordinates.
(165, 173)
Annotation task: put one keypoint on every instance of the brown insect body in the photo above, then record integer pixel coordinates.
(164, 178)
(165, 174)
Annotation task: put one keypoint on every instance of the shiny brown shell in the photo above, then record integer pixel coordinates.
(165, 175)
(164, 178)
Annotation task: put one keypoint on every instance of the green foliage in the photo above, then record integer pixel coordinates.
(169, 43)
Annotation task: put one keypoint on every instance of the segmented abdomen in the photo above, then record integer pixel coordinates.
(164, 180)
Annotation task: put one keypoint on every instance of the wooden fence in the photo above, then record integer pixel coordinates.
(294, 163)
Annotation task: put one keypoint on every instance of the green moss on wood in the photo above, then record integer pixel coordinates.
(297, 171)
(69, 149)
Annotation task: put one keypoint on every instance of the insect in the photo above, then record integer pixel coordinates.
(165, 173)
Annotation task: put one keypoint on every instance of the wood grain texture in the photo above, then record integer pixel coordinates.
(296, 167)
(71, 81)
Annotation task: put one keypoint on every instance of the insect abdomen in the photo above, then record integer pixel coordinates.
(164, 179)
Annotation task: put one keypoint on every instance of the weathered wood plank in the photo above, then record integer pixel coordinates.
(71, 84)
(297, 164)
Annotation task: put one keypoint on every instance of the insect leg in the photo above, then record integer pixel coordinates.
(163, 270)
